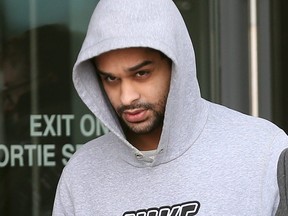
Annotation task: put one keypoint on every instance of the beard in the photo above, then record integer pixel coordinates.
(154, 121)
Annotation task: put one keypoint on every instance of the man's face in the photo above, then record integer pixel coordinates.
(136, 81)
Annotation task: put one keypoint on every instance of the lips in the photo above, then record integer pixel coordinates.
(135, 116)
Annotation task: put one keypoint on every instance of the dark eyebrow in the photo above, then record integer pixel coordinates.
(102, 73)
(138, 66)
(131, 69)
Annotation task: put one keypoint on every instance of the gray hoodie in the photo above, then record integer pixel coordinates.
(210, 160)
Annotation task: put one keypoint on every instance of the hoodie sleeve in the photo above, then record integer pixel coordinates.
(282, 172)
(63, 204)
(276, 165)
(270, 185)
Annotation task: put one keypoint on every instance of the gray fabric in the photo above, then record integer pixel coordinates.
(282, 173)
(210, 160)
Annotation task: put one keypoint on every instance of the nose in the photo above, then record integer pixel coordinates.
(129, 93)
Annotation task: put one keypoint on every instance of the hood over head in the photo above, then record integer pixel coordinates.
(155, 24)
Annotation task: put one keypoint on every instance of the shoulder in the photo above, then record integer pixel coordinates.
(245, 130)
(234, 119)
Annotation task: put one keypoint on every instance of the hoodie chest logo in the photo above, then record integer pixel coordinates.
(184, 209)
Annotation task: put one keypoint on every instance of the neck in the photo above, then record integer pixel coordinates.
(145, 142)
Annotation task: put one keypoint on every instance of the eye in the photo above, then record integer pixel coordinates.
(108, 78)
(142, 74)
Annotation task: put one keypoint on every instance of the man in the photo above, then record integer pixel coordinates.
(169, 152)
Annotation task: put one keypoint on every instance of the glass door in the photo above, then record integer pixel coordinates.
(39, 112)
